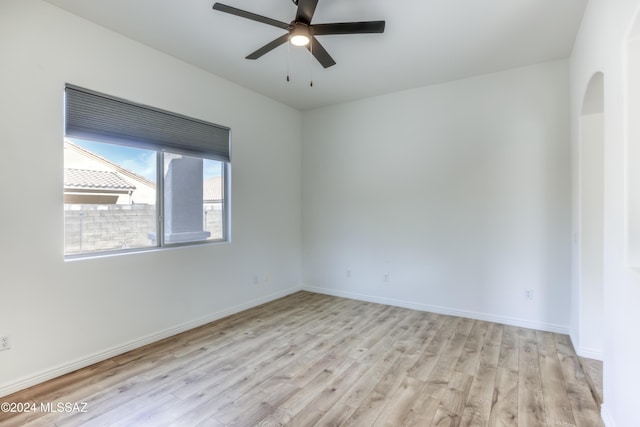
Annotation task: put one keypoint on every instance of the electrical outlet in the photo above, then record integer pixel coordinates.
(256, 279)
(528, 294)
(347, 273)
(4, 343)
(386, 278)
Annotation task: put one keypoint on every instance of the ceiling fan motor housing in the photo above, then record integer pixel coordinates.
(300, 34)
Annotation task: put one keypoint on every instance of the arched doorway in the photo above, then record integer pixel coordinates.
(591, 213)
(592, 218)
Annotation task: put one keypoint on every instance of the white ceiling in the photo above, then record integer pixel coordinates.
(425, 41)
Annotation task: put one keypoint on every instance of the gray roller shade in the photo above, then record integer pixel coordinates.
(95, 116)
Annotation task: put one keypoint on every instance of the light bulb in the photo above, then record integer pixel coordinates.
(299, 40)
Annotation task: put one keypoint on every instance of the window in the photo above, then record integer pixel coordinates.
(137, 177)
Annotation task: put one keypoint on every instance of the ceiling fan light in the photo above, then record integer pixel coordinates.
(299, 39)
(300, 34)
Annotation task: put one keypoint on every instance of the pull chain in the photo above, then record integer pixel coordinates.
(311, 65)
(288, 58)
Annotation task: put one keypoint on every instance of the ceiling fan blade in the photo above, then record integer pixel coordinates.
(244, 14)
(320, 53)
(306, 9)
(269, 47)
(348, 28)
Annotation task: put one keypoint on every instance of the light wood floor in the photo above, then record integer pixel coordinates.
(593, 374)
(311, 359)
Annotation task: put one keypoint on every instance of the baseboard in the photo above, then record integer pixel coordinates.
(590, 353)
(548, 327)
(29, 381)
(586, 352)
(606, 416)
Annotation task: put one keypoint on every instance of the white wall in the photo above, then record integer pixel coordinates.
(589, 341)
(600, 47)
(61, 315)
(633, 150)
(460, 192)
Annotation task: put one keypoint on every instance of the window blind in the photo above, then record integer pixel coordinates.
(96, 116)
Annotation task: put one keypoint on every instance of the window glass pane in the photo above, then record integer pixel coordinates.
(214, 199)
(193, 199)
(109, 197)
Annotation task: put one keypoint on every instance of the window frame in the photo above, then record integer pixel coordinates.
(160, 151)
(160, 228)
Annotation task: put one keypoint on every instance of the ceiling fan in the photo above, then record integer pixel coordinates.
(301, 32)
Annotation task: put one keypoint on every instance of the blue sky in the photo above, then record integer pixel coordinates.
(142, 162)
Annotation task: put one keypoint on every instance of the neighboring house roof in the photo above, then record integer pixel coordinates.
(108, 163)
(94, 180)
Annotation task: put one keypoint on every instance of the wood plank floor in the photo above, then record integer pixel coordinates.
(310, 359)
(593, 373)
